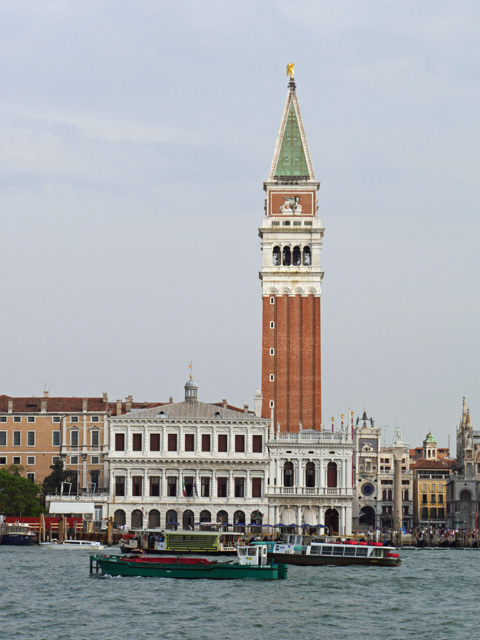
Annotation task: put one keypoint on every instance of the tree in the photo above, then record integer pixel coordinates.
(18, 496)
(53, 483)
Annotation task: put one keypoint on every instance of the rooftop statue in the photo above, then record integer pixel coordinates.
(397, 437)
(291, 69)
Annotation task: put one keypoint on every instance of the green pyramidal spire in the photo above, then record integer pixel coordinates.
(291, 158)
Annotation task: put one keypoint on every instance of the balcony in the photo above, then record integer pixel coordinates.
(311, 436)
(310, 491)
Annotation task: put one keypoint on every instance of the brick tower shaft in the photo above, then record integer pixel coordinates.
(291, 278)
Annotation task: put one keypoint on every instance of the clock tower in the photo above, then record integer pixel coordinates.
(291, 238)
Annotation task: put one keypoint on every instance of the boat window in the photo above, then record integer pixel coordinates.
(349, 551)
(315, 551)
(327, 551)
(377, 553)
(362, 551)
(337, 551)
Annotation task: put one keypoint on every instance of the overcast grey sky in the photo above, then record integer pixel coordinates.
(134, 141)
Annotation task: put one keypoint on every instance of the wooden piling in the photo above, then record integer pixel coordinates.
(110, 531)
(41, 528)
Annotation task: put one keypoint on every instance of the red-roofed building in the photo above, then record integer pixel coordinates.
(35, 432)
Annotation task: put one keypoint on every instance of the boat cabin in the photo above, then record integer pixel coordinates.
(253, 555)
(373, 550)
(181, 541)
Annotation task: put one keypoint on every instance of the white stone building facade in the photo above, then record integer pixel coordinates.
(311, 482)
(186, 463)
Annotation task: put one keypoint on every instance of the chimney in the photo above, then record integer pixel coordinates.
(224, 403)
(85, 405)
(43, 404)
(10, 406)
(128, 403)
(245, 408)
(105, 397)
(119, 407)
(45, 394)
(170, 400)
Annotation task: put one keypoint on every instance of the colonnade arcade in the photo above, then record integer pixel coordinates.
(204, 483)
(287, 256)
(333, 519)
(188, 519)
(307, 473)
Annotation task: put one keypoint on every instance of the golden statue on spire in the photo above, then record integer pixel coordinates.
(291, 70)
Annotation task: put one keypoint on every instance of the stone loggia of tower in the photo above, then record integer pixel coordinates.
(291, 237)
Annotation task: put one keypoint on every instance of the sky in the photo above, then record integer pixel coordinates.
(135, 137)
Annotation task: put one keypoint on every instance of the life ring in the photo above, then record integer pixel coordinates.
(77, 497)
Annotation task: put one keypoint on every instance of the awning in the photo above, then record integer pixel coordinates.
(72, 507)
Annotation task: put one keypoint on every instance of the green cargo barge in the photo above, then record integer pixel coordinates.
(252, 563)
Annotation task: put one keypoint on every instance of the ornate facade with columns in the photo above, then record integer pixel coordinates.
(190, 462)
(311, 479)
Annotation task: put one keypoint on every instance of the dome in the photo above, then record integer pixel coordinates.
(190, 390)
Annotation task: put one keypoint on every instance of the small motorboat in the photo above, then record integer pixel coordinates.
(18, 534)
(92, 545)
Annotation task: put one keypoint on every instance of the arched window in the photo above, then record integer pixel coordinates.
(276, 256)
(297, 256)
(367, 516)
(288, 474)
(205, 516)
(119, 517)
(239, 521)
(332, 521)
(390, 495)
(154, 519)
(171, 520)
(137, 519)
(287, 257)
(332, 474)
(405, 495)
(256, 519)
(307, 257)
(310, 474)
(222, 517)
(187, 519)
(384, 494)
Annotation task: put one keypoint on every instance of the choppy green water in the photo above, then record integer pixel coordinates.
(49, 594)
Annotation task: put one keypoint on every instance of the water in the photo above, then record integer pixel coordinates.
(47, 594)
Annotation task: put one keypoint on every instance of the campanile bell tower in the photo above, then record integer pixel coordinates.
(291, 275)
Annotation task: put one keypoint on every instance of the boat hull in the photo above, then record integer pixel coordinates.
(124, 566)
(308, 560)
(79, 547)
(19, 540)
